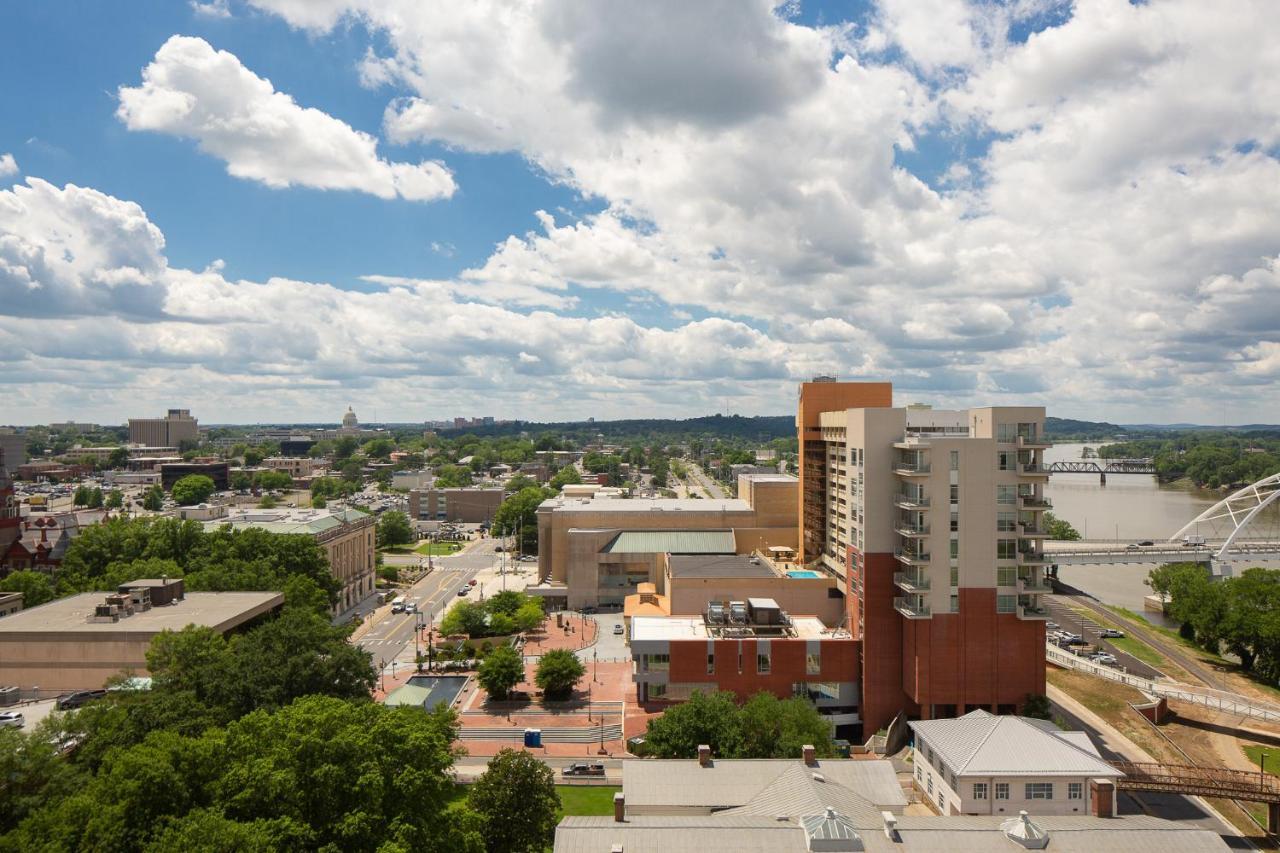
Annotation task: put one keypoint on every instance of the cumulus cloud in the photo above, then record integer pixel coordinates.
(8, 165)
(192, 91)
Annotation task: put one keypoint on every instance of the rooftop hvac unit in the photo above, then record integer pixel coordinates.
(715, 613)
(738, 612)
(764, 611)
(107, 612)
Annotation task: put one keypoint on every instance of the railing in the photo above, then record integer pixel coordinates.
(1032, 556)
(910, 581)
(910, 502)
(1034, 585)
(913, 558)
(912, 529)
(1218, 700)
(1026, 611)
(1033, 441)
(1031, 530)
(910, 468)
(1035, 503)
(1033, 468)
(911, 609)
(1222, 782)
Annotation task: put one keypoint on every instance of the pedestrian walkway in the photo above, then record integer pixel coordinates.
(1215, 700)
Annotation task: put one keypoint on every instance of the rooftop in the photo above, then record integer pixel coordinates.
(695, 628)
(654, 505)
(721, 565)
(981, 744)
(672, 542)
(305, 521)
(220, 610)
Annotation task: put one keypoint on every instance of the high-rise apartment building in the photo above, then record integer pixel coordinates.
(931, 522)
(170, 431)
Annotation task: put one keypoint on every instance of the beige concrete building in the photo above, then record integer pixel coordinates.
(68, 644)
(297, 467)
(347, 536)
(594, 551)
(467, 506)
(170, 431)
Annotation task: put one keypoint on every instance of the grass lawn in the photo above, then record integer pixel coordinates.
(1255, 754)
(395, 549)
(437, 549)
(586, 799)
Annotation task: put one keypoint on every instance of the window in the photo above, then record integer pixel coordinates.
(762, 664)
(1039, 791)
(657, 691)
(955, 576)
(813, 664)
(955, 604)
(955, 522)
(919, 773)
(1006, 575)
(1002, 790)
(955, 460)
(1006, 433)
(711, 663)
(952, 776)
(1006, 604)
(660, 663)
(929, 784)
(1006, 494)
(1006, 549)
(1008, 460)
(1006, 522)
(979, 790)
(942, 802)
(1075, 790)
(955, 493)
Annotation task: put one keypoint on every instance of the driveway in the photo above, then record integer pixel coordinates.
(609, 646)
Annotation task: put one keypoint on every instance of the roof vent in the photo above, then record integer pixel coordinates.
(818, 777)
(1021, 831)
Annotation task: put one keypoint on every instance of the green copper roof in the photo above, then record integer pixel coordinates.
(671, 542)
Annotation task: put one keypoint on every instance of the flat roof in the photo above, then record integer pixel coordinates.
(654, 505)
(719, 566)
(695, 628)
(699, 542)
(221, 610)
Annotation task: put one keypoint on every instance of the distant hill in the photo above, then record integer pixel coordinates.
(1061, 429)
(759, 428)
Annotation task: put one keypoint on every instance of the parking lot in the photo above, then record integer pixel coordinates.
(1068, 621)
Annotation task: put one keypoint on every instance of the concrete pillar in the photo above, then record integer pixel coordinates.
(704, 755)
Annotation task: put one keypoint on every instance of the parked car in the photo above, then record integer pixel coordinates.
(1052, 626)
(617, 629)
(71, 701)
(1104, 658)
(464, 590)
(410, 607)
(1110, 633)
(1074, 640)
(11, 720)
(581, 769)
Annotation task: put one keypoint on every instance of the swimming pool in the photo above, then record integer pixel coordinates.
(428, 691)
(802, 573)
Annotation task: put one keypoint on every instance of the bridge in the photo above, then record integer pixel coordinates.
(1102, 467)
(1221, 782)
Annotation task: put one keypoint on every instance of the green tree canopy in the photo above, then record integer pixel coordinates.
(192, 489)
(706, 718)
(394, 529)
(565, 476)
(153, 500)
(114, 500)
(519, 513)
(502, 669)
(1059, 528)
(558, 673)
(118, 458)
(517, 802)
(272, 480)
(770, 727)
(36, 587)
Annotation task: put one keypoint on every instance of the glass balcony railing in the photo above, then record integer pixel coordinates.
(912, 581)
(912, 558)
(908, 468)
(911, 607)
(906, 501)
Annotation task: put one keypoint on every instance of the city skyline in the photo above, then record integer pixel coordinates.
(268, 211)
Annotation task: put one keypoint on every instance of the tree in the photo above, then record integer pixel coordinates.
(80, 497)
(452, 477)
(1059, 528)
(272, 480)
(521, 481)
(394, 529)
(568, 475)
(519, 513)
(118, 458)
(1037, 707)
(115, 499)
(36, 587)
(241, 481)
(502, 670)
(153, 500)
(34, 774)
(529, 616)
(379, 448)
(253, 457)
(517, 801)
(777, 728)
(192, 489)
(558, 673)
(706, 718)
(465, 618)
(95, 499)
(344, 447)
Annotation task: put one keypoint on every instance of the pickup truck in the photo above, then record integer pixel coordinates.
(581, 769)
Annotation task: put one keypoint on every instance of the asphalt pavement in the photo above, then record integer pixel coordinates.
(433, 594)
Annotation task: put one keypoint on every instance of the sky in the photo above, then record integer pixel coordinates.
(268, 210)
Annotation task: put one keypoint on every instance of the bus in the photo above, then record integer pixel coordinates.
(397, 604)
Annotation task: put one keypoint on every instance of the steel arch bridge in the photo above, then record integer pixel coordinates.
(1242, 515)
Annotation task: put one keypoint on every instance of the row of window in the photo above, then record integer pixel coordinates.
(764, 663)
(1031, 791)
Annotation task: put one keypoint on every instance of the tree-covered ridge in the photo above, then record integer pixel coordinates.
(1211, 459)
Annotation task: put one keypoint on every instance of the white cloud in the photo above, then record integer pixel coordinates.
(192, 91)
(8, 165)
(211, 9)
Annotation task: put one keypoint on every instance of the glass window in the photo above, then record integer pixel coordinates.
(929, 784)
(955, 576)
(955, 548)
(955, 493)
(1006, 433)
(762, 664)
(1006, 522)
(1039, 791)
(1006, 576)
(711, 663)
(1075, 790)
(1008, 460)
(813, 664)
(919, 773)
(1006, 549)
(659, 662)
(657, 691)
(955, 604)
(955, 522)
(1006, 603)
(1002, 790)
(1006, 494)
(979, 790)
(955, 460)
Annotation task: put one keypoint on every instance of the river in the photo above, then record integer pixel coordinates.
(1130, 507)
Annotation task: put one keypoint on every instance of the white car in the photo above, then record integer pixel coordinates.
(12, 719)
(1105, 659)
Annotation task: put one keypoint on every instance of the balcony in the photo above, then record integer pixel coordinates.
(1033, 469)
(910, 502)
(1032, 585)
(1031, 531)
(911, 530)
(911, 607)
(911, 469)
(1033, 612)
(1034, 503)
(1032, 558)
(912, 581)
(912, 558)
(1034, 441)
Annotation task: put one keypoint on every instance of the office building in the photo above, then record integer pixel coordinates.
(172, 430)
(931, 523)
(462, 505)
(79, 642)
(297, 467)
(14, 446)
(348, 537)
(595, 550)
(216, 470)
(10, 511)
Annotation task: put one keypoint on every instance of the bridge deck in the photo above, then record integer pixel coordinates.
(1206, 781)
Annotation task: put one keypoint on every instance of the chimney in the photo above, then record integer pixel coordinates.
(619, 807)
(1102, 794)
(810, 754)
(704, 755)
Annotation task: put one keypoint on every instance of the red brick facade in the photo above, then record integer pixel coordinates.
(839, 662)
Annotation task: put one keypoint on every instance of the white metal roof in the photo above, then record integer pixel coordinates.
(981, 744)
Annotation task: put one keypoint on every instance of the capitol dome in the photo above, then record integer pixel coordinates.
(349, 419)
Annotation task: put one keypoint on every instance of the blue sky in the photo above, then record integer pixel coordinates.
(562, 208)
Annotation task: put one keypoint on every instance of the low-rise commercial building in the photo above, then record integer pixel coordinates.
(10, 603)
(594, 551)
(297, 467)
(989, 765)
(348, 537)
(79, 642)
(465, 506)
(218, 471)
